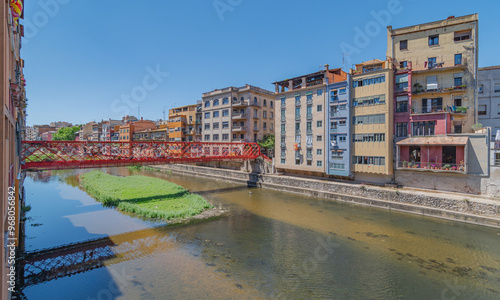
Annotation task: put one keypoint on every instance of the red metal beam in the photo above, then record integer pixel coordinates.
(43, 155)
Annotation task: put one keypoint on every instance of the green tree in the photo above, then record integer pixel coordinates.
(267, 143)
(66, 134)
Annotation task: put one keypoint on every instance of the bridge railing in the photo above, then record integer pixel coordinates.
(71, 154)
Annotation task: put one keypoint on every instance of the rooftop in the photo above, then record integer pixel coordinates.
(450, 21)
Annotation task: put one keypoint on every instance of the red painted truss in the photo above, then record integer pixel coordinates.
(74, 155)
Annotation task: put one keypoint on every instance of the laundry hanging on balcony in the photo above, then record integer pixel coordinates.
(16, 7)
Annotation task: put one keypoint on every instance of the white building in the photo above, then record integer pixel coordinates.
(489, 98)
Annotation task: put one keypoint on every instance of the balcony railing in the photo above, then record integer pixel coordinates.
(309, 156)
(240, 103)
(297, 117)
(422, 90)
(283, 104)
(297, 132)
(334, 129)
(458, 109)
(283, 145)
(283, 119)
(309, 145)
(239, 116)
(309, 101)
(309, 116)
(427, 109)
(240, 128)
(256, 128)
(297, 103)
(438, 167)
(309, 131)
(497, 145)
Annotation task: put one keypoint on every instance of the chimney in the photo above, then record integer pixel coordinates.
(142, 118)
(327, 66)
(450, 17)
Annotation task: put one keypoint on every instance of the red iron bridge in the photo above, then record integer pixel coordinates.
(53, 155)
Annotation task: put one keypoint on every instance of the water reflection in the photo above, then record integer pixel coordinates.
(274, 245)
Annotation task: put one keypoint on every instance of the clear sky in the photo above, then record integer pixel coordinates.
(92, 60)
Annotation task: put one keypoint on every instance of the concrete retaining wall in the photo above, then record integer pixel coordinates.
(477, 212)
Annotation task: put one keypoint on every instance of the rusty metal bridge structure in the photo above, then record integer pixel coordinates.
(53, 155)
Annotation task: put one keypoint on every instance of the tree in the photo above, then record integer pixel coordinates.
(267, 143)
(66, 134)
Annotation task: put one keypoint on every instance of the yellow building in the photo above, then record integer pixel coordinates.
(372, 94)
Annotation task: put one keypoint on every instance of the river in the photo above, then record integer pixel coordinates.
(269, 245)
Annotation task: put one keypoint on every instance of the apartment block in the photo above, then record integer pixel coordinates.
(372, 124)
(301, 134)
(489, 98)
(234, 114)
(127, 131)
(198, 131)
(338, 125)
(435, 91)
(182, 123)
(30, 133)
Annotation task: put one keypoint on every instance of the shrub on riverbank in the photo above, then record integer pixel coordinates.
(145, 196)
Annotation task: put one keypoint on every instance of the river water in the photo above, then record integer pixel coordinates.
(270, 245)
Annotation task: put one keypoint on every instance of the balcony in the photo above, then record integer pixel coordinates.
(283, 145)
(239, 116)
(239, 103)
(427, 109)
(309, 116)
(419, 90)
(309, 156)
(334, 98)
(255, 116)
(257, 104)
(497, 145)
(434, 167)
(461, 110)
(297, 103)
(297, 132)
(239, 128)
(297, 117)
(283, 132)
(297, 155)
(309, 145)
(256, 128)
(283, 119)
(334, 129)
(283, 105)
(309, 101)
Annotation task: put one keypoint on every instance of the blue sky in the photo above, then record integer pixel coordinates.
(93, 60)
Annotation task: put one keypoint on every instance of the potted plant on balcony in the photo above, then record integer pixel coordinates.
(447, 167)
(453, 168)
(461, 167)
(418, 88)
(404, 164)
(410, 164)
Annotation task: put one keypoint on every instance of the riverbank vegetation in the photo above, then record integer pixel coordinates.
(144, 196)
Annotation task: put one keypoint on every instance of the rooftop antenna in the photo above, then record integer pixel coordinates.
(164, 108)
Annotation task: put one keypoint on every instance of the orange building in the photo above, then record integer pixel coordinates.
(127, 130)
(182, 123)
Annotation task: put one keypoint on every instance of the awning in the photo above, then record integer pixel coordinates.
(435, 141)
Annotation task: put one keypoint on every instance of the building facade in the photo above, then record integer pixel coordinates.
(338, 126)
(301, 123)
(127, 130)
(233, 114)
(372, 148)
(435, 91)
(13, 109)
(182, 123)
(489, 98)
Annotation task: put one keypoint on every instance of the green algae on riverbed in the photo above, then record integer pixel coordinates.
(144, 196)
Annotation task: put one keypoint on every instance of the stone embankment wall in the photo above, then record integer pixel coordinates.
(441, 205)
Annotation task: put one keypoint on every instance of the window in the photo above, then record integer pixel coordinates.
(207, 137)
(283, 102)
(207, 126)
(458, 79)
(319, 124)
(297, 112)
(368, 160)
(272, 126)
(480, 88)
(319, 138)
(265, 102)
(319, 151)
(401, 104)
(342, 138)
(309, 126)
(225, 101)
(342, 122)
(481, 110)
(319, 163)
(319, 92)
(225, 125)
(369, 119)
(403, 45)
(434, 40)
(216, 125)
(264, 114)
(225, 112)
(337, 166)
(216, 114)
(282, 128)
(432, 83)
(297, 126)
(283, 161)
(272, 115)
(401, 129)
(297, 161)
(216, 137)
(309, 97)
(225, 137)
(401, 82)
(319, 108)
(271, 103)
(297, 100)
(283, 114)
(458, 59)
(423, 128)
(216, 102)
(403, 65)
(458, 128)
(432, 105)
(207, 115)
(462, 35)
(207, 103)
(431, 62)
(265, 125)
(496, 88)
